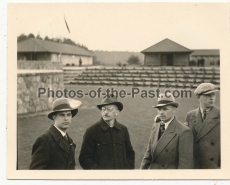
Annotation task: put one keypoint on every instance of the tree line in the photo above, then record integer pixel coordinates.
(58, 40)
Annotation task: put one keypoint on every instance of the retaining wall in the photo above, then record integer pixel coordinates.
(28, 83)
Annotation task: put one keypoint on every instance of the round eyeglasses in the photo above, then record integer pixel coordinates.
(109, 109)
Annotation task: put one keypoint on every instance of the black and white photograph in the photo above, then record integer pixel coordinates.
(118, 90)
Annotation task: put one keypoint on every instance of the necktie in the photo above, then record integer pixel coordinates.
(66, 137)
(204, 114)
(162, 128)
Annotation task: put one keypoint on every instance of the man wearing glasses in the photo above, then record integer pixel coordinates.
(106, 144)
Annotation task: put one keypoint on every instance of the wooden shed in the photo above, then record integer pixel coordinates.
(166, 53)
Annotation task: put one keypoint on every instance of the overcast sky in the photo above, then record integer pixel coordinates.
(126, 26)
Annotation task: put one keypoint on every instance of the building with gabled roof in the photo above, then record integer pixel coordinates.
(43, 50)
(166, 53)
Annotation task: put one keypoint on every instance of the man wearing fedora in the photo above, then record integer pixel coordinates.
(205, 125)
(54, 149)
(106, 144)
(171, 142)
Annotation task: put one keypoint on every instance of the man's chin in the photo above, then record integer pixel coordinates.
(106, 118)
(165, 120)
(64, 127)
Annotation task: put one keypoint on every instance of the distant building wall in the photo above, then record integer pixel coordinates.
(38, 64)
(28, 84)
(209, 60)
(181, 59)
(74, 59)
(44, 56)
(153, 59)
(54, 57)
(156, 59)
(33, 56)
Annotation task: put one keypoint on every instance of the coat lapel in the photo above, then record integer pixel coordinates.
(196, 120)
(210, 122)
(168, 135)
(155, 134)
(71, 151)
(64, 145)
(59, 139)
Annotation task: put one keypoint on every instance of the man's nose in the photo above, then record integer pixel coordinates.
(66, 117)
(212, 97)
(106, 111)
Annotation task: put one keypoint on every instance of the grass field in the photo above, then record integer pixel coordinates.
(137, 115)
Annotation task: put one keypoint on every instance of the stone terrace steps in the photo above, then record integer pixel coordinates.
(143, 76)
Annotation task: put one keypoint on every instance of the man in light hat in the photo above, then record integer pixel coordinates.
(54, 149)
(205, 125)
(106, 144)
(171, 142)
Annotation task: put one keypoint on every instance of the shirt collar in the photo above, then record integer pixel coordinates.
(168, 122)
(62, 133)
(207, 110)
(105, 126)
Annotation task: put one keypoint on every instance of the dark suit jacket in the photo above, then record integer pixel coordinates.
(174, 149)
(52, 152)
(206, 138)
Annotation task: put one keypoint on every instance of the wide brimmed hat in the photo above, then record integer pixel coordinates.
(110, 100)
(163, 100)
(205, 88)
(63, 104)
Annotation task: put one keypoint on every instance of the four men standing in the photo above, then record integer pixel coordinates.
(107, 145)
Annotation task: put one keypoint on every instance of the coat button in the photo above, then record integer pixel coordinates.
(212, 143)
(166, 150)
(211, 159)
(163, 165)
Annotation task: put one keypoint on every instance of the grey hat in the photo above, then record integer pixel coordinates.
(62, 104)
(110, 100)
(163, 100)
(205, 88)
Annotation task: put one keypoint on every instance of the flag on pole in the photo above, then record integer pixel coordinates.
(66, 24)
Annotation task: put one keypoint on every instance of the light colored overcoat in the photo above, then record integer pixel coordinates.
(206, 138)
(174, 150)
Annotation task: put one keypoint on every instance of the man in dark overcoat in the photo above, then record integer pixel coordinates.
(54, 149)
(106, 144)
(171, 142)
(205, 125)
